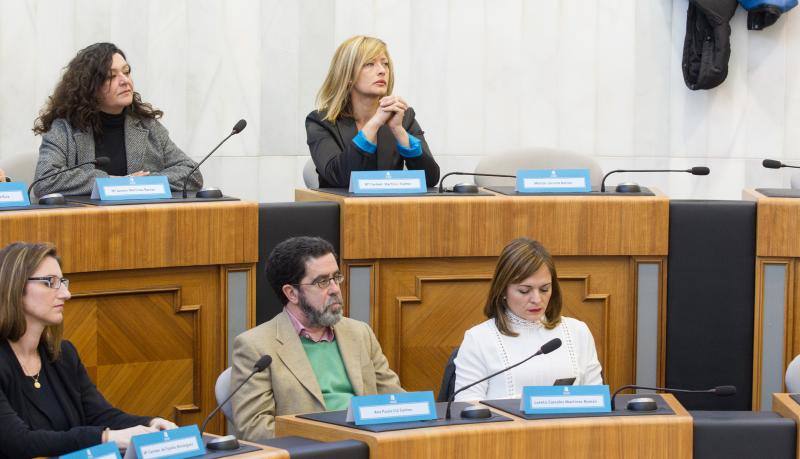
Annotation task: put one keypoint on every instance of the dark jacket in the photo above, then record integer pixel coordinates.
(84, 407)
(335, 155)
(707, 47)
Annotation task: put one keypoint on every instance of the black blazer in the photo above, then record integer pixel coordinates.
(87, 412)
(335, 155)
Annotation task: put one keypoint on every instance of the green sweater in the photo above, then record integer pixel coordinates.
(328, 366)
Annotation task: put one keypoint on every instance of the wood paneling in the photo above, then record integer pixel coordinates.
(141, 236)
(148, 313)
(427, 305)
(777, 225)
(479, 226)
(618, 437)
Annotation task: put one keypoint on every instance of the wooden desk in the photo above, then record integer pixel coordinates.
(431, 259)
(620, 436)
(777, 249)
(788, 408)
(149, 295)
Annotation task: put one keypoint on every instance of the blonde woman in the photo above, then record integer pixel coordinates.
(359, 124)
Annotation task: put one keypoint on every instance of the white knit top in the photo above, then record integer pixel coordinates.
(485, 350)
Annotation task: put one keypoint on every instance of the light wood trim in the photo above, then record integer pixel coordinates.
(106, 238)
(662, 312)
(788, 408)
(758, 321)
(479, 226)
(777, 227)
(619, 436)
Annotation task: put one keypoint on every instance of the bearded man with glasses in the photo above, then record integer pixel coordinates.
(320, 359)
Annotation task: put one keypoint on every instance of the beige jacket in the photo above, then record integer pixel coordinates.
(289, 385)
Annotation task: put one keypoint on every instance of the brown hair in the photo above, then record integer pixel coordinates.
(520, 259)
(18, 262)
(76, 95)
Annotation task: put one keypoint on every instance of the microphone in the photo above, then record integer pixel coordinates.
(229, 442)
(474, 174)
(697, 170)
(546, 348)
(237, 128)
(648, 404)
(58, 198)
(775, 164)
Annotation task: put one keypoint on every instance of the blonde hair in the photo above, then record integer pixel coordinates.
(333, 97)
(519, 260)
(18, 262)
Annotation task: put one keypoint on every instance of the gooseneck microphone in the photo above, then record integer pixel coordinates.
(58, 198)
(239, 127)
(648, 404)
(546, 348)
(474, 174)
(697, 170)
(775, 164)
(229, 442)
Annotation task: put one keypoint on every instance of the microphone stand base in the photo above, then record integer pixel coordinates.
(209, 193)
(52, 199)
(475, 412)
(226, 443)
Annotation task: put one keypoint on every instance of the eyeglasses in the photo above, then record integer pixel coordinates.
(53, 282)
(325, 283)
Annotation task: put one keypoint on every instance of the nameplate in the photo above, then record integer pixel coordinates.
(177, 443)
(128, 188)
(14, 194)
(565, 399)
(388, 182)
(553, 181)
(386, 408)
(108, 450)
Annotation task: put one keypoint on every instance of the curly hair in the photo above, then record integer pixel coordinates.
(76, 95)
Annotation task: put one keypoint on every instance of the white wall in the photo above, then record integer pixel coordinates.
(598, 77)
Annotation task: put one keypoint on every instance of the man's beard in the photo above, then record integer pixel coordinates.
(325, 318)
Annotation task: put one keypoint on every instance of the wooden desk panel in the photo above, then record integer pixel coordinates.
(480, 226)
(788, 408)
(149, 283)
(620, 436)
(91, 239)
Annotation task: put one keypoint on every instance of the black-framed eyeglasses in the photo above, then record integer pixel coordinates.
(325, 283)
(53, 282)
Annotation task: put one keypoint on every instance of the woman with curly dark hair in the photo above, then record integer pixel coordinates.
(95, 111)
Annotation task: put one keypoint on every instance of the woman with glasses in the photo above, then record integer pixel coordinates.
(524, 312)
(358, 124)
(48, 404)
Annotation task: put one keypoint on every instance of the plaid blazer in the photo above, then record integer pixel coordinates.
(147, 145)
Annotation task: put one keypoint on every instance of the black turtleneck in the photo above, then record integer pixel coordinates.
(111, 143)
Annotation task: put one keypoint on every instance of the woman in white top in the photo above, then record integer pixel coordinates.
(524, 311)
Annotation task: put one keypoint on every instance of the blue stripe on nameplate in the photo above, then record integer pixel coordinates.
(388, 182)
(553, 181)
(108, 450)
(177, 443)
(565, 399)
(386, 408)
(129, 188)
(14, 194)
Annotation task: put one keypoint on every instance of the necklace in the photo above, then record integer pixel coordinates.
(35, 378)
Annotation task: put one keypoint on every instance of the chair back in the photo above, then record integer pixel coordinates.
(534, 158)
(448, 379)
(793, 376)
(310, 176)
(222, 389)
